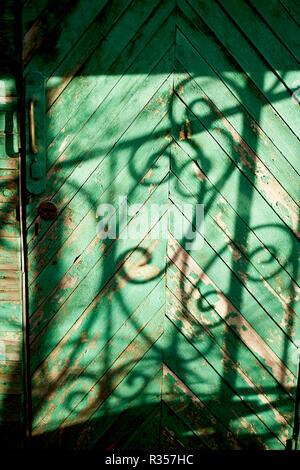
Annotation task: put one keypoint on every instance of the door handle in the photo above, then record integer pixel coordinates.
(32, 142)
(36, 136)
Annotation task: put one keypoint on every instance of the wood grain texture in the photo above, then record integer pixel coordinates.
(11, 340)
(146, 343)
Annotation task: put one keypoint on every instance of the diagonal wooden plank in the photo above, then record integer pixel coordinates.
(66, 282)
(192, 177)
(194, 413)
(133, 163)
(264, 40)
(84, 247)
(201, 305)
(11, 378)
(85, 298)
(221, 361)
(56, 26)
(223, 173)
(129, 101)
(84, 47)
(50, 396)
(216, 100)
(280, 22)
(120, 426)
(250, 61)
(265, 354)
(283, 317)
(115, 54)
(134, 358)
(97, 325)
(240, 153)
(272, 398)
(204, 381)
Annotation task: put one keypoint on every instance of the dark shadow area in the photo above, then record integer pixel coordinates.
(11, 401)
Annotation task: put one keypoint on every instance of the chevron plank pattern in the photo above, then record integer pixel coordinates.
(143, 343)
(11, 357)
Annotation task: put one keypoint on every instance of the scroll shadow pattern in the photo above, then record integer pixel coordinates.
(140, 344)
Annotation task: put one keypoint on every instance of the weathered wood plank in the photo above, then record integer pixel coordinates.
(224, 215)
(10, 377)
(133, 358)
(10, 384)
(226, 177)
(30, 11)
(196, 414)
(130, 98)
(49, 396)
(167, 441)
(182, 433)
(9, 253)
(92, 286)
(232, 315)
(8, 46)
(95, 249)
(218, 97)
(145, 434)
(204, 381)
(11, 412)
(223, 363)
(202, 307)
(132, 408)
(284, 317)
(133, 165)
(9, 226)
(7, 10)
(240, 153)
(274, 52)
(83, 48)
(280, 22)
(11, 348)
(8, 164)
(123, 425)
(112, 49)
(64, 283)
(10, 315)
(240, 80)
(9, 280)
(11, 357)
(137, 106)
(293, 9)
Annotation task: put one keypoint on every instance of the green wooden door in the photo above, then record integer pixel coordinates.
(143, 341)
